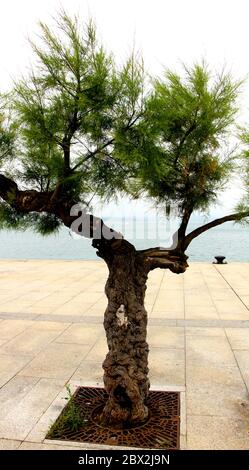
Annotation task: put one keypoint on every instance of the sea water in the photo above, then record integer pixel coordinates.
(230, 240)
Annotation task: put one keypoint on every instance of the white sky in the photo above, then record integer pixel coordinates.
(167, 33)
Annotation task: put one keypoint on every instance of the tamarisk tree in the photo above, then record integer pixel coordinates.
(81, 126)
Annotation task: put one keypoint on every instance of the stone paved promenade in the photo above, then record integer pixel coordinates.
(51, 333)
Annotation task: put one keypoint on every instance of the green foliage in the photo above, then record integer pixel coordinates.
(186, 123)
(243, 205)
(241, 208)
(10, 219)
(42, 223)
(45, 224)
(73, 110)
(64, 100)
(7, 131)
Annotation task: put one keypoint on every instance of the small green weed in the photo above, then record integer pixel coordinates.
(70, 418)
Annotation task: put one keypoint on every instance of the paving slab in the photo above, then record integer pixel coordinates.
(9, 444)
(209, 350)
(167, 366)
(238, 338)
(14, 391)
(80, 334)
(56, 361)
(243, 362)
(31, 341)
(20, 420)
(167, 337)
(199, 331)
(98, 351)
(10, 366)
(217, 433)
(216, 391)
(11, 328)
(89, 373)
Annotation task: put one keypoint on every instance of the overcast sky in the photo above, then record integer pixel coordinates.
(166, 32)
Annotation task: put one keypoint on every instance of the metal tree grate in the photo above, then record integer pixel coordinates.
(160, 431)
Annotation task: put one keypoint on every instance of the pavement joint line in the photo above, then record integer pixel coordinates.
(210, 295)
(98, 337)
(68, 301)
(229, 342)
(157, 294)
(16, 374)
(40, 378)
(38, 352)
(237, 363)
(157, 321)
(231, 287)
(185, 367)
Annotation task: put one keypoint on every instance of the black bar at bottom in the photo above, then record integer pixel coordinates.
(121, 458)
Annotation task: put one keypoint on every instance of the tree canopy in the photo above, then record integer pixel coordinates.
(79, 125)
(190, 116)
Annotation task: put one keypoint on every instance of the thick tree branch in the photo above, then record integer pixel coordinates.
(54, 202)
(198, 231)
(181, 233)
(8, 189)
(23, 201)
(154, 252)
(177, 266)
(163, 258)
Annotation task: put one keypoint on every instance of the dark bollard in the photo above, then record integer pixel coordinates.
(220, 260)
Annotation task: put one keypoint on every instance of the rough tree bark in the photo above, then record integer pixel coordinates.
(126, 364)
(125, 322)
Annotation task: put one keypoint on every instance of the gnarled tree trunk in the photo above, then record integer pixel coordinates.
(126, 364)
